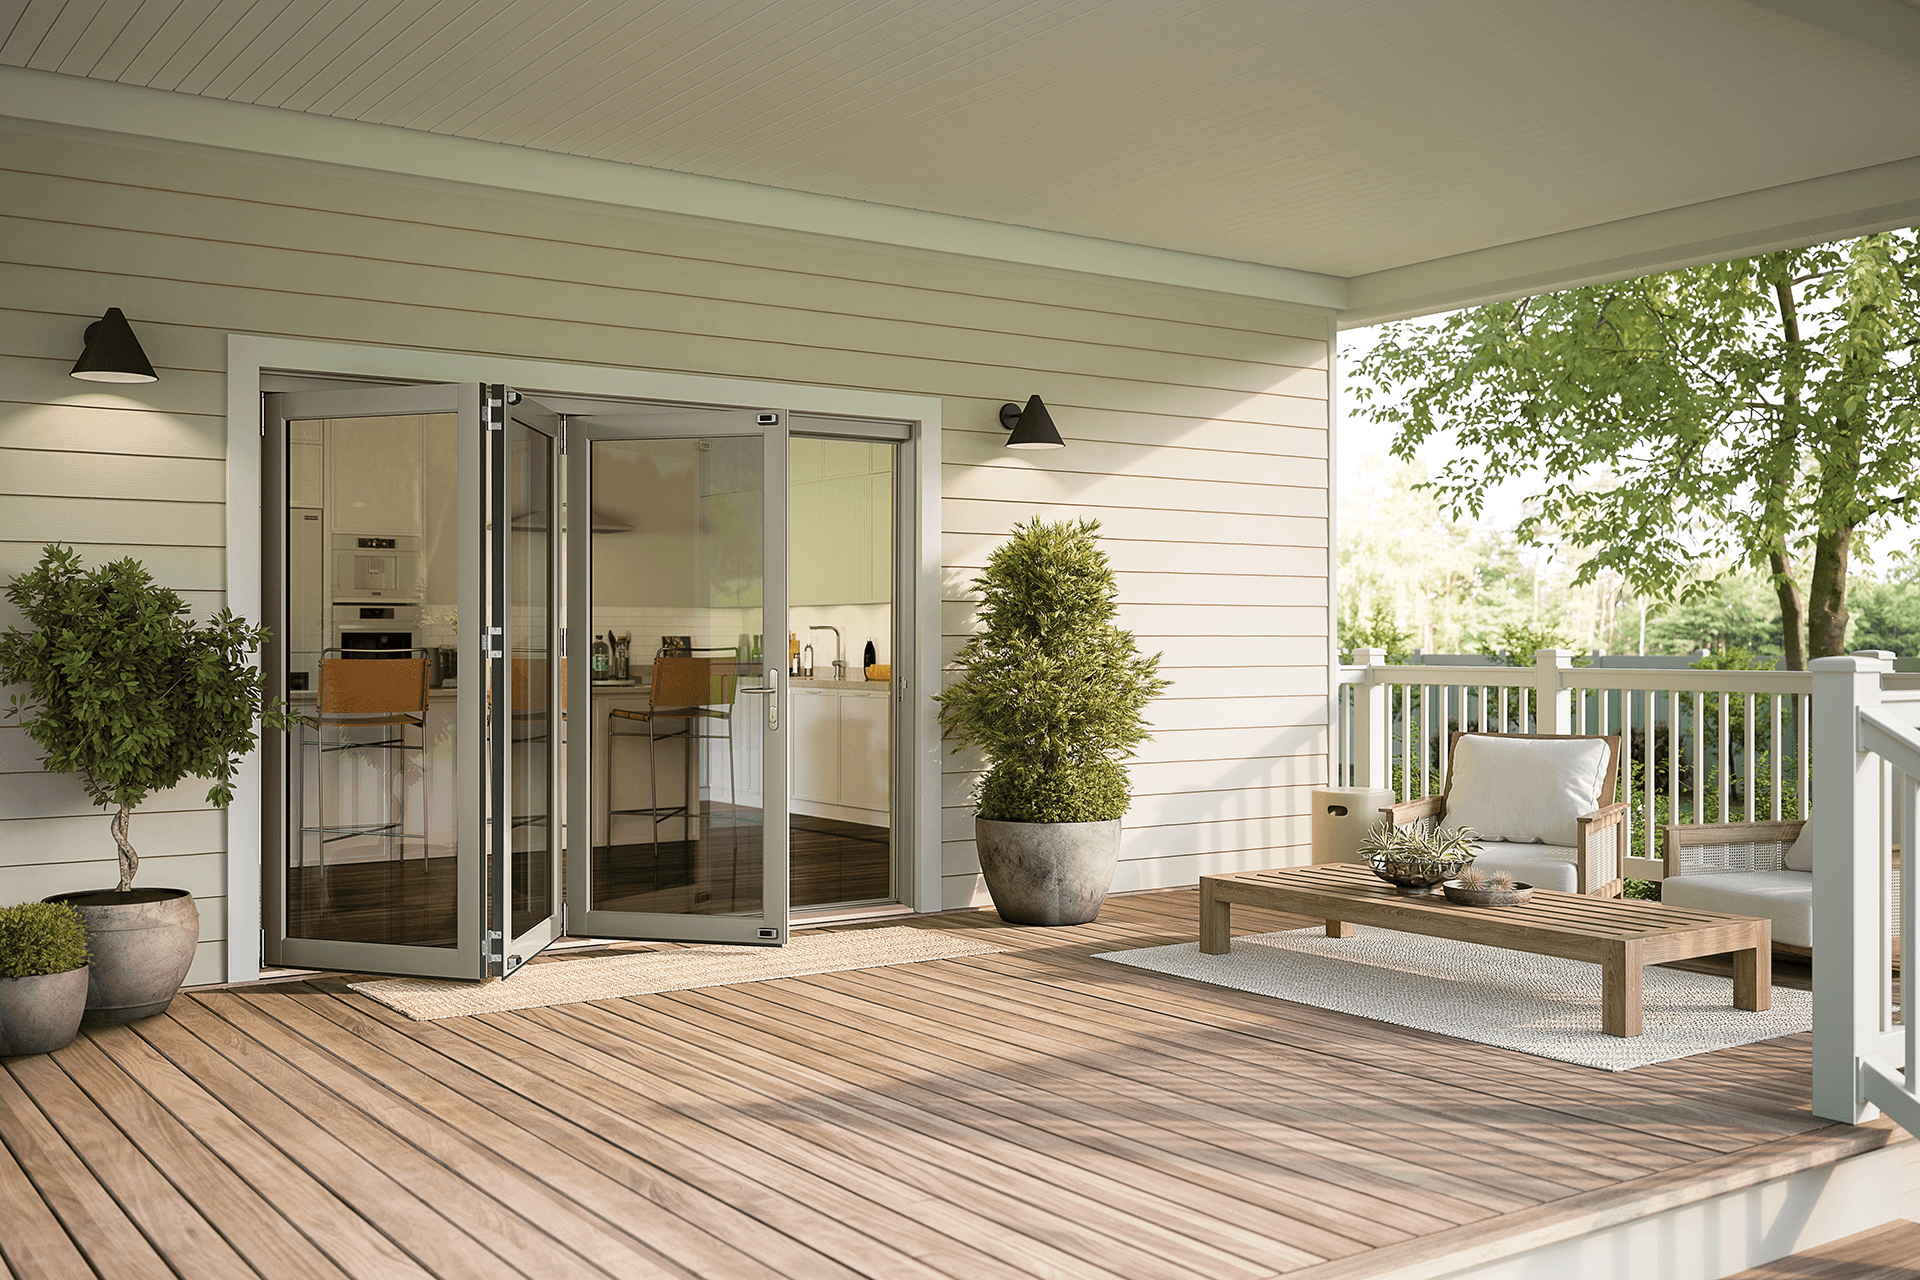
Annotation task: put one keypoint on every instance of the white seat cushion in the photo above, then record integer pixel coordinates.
(1528, 789)
(1784, 897)
(1544, 866)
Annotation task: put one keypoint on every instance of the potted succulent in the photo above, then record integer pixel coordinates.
(126, 691)
(1416, 857)
(1052, 692)
(43, 977)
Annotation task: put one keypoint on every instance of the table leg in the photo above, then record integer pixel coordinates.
(1341, 929)
(1216, 921)
(1753, 974)
(1620, 990)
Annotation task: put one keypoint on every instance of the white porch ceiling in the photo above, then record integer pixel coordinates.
(1364, 139)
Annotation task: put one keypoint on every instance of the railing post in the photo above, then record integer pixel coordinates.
(1370, 727)
(1846, 881)
(1551, 697)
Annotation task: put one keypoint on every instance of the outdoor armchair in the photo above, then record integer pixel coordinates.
(1750, 869)
(1542, 804)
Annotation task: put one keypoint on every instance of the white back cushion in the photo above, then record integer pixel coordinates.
(1525, 789)
(1799, 856)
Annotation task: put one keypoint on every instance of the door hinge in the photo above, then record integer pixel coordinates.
(495, 409)
(563, 437)
(491, 944)
(563, 920)
(563, 642)
(263, 948)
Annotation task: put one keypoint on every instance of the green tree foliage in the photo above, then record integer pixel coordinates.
(1886, 616)
(1378, 631)
(1050, 689)
(1515, 644)
(1737, 613)
(38, 938)
(125, 690)
(1763, 412)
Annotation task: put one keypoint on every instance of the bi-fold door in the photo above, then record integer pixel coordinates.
(417, 541)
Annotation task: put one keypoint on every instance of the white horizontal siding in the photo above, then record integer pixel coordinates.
(1197, 430)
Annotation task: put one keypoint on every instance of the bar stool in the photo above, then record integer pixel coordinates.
(389, 694)
(687, 691)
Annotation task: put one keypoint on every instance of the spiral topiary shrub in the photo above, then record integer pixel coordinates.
(1051, 689)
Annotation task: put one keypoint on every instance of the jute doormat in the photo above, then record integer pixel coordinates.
(1534, 1004)
(611, 977)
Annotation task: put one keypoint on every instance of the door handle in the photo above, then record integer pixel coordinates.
(771, 691)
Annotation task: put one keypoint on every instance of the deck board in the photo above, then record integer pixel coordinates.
(1031, 1113)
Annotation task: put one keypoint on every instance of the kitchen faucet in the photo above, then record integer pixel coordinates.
(839, 652)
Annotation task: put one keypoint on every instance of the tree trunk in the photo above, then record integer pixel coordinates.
(1827, 595)
(129, 860)
(1792, 622)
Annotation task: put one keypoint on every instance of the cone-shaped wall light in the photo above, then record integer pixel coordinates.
(113, 354)
(1032, 426)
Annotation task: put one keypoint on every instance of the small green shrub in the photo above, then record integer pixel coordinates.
(41, 937)
(1644, 890)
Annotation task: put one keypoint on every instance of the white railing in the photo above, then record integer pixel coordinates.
(1697, 746)
(1865, 732)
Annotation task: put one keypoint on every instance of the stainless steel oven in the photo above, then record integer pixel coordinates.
(375, 630)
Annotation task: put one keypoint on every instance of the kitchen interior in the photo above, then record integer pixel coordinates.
(372, 555)
(676, 551)
(676, 805)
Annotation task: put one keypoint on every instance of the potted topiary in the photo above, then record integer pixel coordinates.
(43, 977)
(1052, 692)
(133, 696)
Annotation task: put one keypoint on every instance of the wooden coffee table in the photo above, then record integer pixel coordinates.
(1618, 934)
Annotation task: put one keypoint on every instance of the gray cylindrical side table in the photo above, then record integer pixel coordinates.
(1341, 816)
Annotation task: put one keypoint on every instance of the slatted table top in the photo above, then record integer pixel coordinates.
(1567, 924)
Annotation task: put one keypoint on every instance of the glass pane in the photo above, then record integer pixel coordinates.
(371, 563)
(675, 606)
(530, 592)
(841, 581)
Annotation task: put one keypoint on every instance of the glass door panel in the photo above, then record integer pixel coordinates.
(526, 883)
(677, 773)
(374, 840)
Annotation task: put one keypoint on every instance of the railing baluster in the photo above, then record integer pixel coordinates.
(1723, 794)
(1909, 834)
(1774, 754)
(1747, 770)
(1802, 733)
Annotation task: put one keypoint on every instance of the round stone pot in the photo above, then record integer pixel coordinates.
(41, 1013)
(1047, 872)
(143, 941)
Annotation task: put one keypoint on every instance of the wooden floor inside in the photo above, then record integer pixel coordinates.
(1036, 1113)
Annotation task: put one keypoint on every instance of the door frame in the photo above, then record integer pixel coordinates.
(252, 365)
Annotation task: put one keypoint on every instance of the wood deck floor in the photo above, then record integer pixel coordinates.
(1036, 1113)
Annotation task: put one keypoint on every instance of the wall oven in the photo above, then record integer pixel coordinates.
(376, 630)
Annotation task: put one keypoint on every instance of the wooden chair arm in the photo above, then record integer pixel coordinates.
(1426, 808)
(1603, 840)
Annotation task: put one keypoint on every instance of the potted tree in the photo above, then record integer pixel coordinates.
(125, 690)
(43, 977)
(1051, 691)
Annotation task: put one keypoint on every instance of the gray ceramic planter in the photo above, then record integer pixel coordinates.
(41, 1013)
(142, 943)
(1047, 872)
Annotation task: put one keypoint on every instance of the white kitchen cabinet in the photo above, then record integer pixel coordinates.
(866, 751)
(374, 471)
(842, 751)
(815, 745)
(841, 519)
(303, 475)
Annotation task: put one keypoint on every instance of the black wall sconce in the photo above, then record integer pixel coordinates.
(1032, 426)
(112, 353)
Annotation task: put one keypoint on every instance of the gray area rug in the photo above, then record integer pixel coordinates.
(1534, 1004)
(564, 981)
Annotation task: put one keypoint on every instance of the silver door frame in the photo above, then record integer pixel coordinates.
(466, 958)
(770, 928)
(507, 406)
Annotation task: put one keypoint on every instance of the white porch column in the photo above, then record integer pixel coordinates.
(1849, 971)
(1371, 730)
(1553, 701)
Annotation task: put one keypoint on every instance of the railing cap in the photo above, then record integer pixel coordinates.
(1862, 660)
